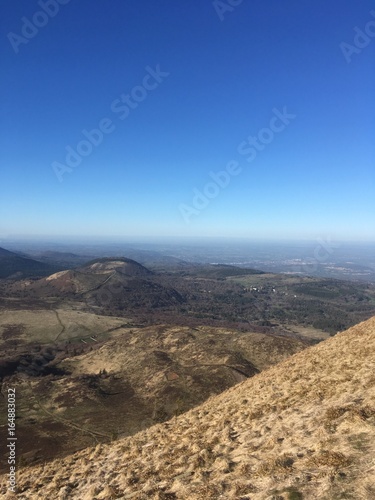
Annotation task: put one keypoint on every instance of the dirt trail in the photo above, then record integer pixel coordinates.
(63, 328)
(97, 286)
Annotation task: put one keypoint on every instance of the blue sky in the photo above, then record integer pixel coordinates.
(217, 75)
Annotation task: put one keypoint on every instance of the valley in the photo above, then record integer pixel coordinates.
(112, 338)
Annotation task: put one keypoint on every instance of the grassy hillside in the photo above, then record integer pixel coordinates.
(303, 429)
(72, 393)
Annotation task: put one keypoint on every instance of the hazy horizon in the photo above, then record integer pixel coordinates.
(71, 239)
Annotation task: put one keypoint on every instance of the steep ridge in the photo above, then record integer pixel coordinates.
(302, 429)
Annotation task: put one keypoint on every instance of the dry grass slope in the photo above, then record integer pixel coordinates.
(303, 429)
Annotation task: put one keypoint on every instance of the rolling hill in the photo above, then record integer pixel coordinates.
(195, 295)
(302, 429)
(16, 266)
(107, 369)
(65, 260)
(113, 284)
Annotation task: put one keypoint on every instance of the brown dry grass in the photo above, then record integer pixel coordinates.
(303, 429)
(44, 325)
(146, 375)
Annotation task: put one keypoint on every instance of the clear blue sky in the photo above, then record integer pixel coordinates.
(221, 76)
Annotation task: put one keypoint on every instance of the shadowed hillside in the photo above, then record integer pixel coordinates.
(17, 267)
(303, 429)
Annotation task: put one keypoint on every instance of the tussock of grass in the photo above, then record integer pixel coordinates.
(330, 458)
(275, 466)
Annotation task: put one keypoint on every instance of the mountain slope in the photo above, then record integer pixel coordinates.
(303, 429)
(114, 284)
(146, 375)
(17, 266)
